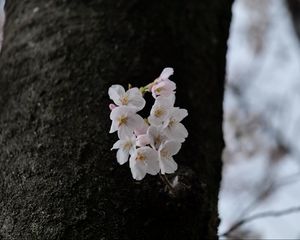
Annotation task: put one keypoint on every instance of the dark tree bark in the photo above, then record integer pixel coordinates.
(59, 179)
(294, 7)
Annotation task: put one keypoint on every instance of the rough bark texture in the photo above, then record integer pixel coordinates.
(58, 177)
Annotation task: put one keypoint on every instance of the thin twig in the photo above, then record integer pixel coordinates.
(259, 216)
(167, 183)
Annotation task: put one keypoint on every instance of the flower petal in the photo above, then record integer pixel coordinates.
(115, 92)
(117, 145)
(166, 73)
(141, 130)
(151, 160)
(135, 121)
(172, 147)
(166, 101)
(136, 98)
(178, 114)
(181, 130)
(122, 156)
(138, 168)
(168, 165)
(114, 127)
(124, 132)
(142, 140)
(177, 132)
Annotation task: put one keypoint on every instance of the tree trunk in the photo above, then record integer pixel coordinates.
(59, 179)
(294, 7)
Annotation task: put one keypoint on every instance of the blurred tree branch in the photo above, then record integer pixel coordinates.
(273, 213)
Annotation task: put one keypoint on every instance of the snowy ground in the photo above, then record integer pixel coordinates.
(262, 117)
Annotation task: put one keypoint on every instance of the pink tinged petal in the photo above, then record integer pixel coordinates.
(166, 73)
(122, 156)
(178, 114)
(154, 95)
(138, 102)
(134, 92)
(117, 145)
(152, 167)
(114, 127)
(138, 171)
(166, 101)
(159, 112)
(172, 147)
(138, 168)
(151, 160)
(115, 92)
(135, 121)
(164, 88)
(124, 131)
(135, 98)
(177, 132)
(181, 130)
(142, 140)
(168, 165)
(142, 130)
(156, 136)
(154, 120)
(118, 111)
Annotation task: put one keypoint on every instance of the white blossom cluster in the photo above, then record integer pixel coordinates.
(151, 143)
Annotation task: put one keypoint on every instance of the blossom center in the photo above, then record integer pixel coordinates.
(140, 157)
(128, 145)
(172, 122)
(124, 100)
(122, 120)
(164, 153)
(158, 90)
(157, 140)
(158, 112)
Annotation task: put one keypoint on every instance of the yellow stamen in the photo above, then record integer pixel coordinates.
(122, 120)
(140, 157)
(127, 145)
(158, 112)
(164, 153)
(157, 140)
(171, 123)
(124, 100)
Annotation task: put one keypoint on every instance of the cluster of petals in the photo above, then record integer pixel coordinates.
(149, 144)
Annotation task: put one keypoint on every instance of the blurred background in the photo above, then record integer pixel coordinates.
(260, 193)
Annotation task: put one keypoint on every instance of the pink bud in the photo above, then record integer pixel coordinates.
(112, 106)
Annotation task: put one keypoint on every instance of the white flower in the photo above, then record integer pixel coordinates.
(173, 128)
(125, 121)
(160, 109)
(131, 98)
(162, 85)
(156, 136)
(125, 147)
(166, 152)
(144, 160)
